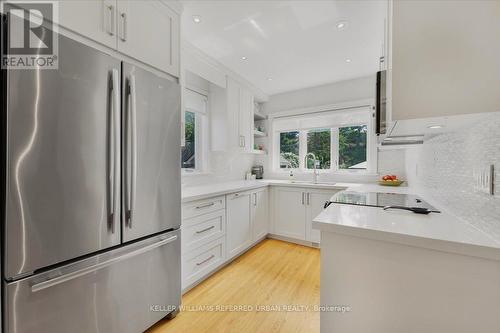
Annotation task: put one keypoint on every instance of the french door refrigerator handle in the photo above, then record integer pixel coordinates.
(114, 150)
(132, 127)
(87, 270)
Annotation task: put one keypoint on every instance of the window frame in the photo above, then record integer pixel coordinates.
(334, 151)
(200, 136)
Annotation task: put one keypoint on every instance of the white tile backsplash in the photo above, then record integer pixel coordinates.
(443, 168)
(223, 167)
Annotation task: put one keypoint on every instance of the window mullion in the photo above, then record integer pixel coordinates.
(302, 149)
(335, 149)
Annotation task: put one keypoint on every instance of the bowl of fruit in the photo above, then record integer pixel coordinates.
(390, 180)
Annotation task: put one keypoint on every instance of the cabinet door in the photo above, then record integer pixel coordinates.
(260, 213)
(95, 19)
(290, 212)
(238, 226)
(234, 139)
(315, 201)
(441, 66)
(245, 124)
(149, 32)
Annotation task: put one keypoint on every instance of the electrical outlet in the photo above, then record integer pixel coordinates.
(484, 179)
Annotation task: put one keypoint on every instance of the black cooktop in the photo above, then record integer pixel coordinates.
(375, 199)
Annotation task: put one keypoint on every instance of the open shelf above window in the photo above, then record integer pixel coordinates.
(259, 116)
(259, 134)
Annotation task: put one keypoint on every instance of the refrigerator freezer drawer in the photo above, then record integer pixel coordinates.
(124, 290)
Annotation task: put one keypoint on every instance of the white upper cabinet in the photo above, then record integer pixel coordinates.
(232, 118)
(149, 32)
(95, 19)
(145, 30)
(445, 58)
(246, 119)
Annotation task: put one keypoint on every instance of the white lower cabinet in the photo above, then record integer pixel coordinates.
(289, 212)
(295, 208)
(202, 261)
(199, 230)
(239, 224)
(217, 229)
(315, 201)
(260, 213)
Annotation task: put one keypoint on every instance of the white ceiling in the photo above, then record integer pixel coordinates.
(296, 43)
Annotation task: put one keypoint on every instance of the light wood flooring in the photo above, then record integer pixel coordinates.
(272, 273)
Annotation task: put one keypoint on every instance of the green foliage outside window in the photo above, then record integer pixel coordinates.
(352, 147)
(319, 143)
(289, 150)
(188, 151)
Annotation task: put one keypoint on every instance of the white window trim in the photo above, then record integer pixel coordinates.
(201, 137)
(371, 150)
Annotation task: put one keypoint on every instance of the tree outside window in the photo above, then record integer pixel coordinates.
(319, 143)
(188, 153)
(289, 150)
(352, 147)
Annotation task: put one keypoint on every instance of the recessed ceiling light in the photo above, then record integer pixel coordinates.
(435, 126)
(269, 79)
(348, 60)
(243, 58)
(196, 18)
(341, 25)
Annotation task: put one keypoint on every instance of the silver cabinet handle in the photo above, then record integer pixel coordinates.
(111, 20)
(206, 205)
(205, 230)
(255, 199)
(206, 260)
(131, 150)
(302, 197)
(123, 36)
(114, 149)
(81, 272)
(308, 198)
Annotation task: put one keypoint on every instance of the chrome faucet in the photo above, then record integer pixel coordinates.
(315, 172)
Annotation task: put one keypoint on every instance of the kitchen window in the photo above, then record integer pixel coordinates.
(345, 144)
(319, 143)
(289, 150)
(193, 152)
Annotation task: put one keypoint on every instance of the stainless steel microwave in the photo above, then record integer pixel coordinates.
(381, 104)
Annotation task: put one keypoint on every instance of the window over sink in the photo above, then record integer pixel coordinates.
(341, 141)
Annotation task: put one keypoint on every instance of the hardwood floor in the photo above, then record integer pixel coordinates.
(272, 273)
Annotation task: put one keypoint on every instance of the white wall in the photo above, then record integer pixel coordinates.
(338, 92)
(443, 169)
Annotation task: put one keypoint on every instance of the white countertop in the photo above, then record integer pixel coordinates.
(191, 193)
(435, 231)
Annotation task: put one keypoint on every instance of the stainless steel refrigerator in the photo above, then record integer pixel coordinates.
(91, 195)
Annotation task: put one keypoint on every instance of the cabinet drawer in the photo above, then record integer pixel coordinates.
(203, 229)
(202, 261)
(204, 206)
